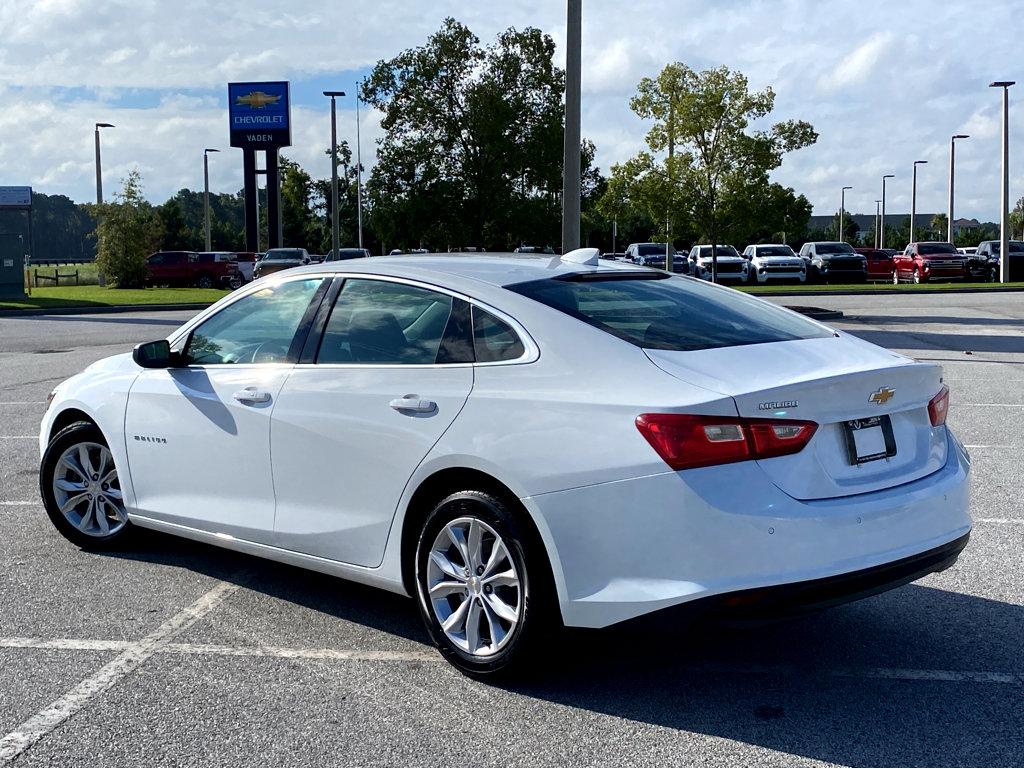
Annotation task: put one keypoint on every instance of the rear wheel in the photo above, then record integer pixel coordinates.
(204, 281)
(917, 276)
(481, 585)
(895, 277)
(81, 489)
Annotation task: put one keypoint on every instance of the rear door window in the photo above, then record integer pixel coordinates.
(494, 340)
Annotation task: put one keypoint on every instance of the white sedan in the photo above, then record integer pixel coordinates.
(520, 443)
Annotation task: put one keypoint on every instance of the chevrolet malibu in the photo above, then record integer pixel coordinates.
(520, 443)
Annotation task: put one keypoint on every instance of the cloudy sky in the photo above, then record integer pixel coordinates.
(884, 83)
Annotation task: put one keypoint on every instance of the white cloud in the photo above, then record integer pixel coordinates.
(157, 69)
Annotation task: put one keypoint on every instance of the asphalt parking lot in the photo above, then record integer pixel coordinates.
(177, 653)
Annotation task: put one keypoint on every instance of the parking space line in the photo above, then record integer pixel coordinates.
(63, 708)
(21, 403)
(17, 437)
(65, 644)
(999, 520)
(299, 653)
(18, 503)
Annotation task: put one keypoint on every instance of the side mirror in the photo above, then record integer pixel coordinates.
(153, 354)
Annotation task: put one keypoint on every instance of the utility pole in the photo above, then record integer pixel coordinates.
(881, 237)
(877, 217)
(842, 213)
(359, 172)
(99, 172)
(334, 171)
(952, 173)
(571, 142)
(1004, 196)
(206, 194)
(913, 203)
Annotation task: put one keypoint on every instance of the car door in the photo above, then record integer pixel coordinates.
(198, 434)
(393, 370)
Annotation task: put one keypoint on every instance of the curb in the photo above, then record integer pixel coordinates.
(817, 313)
(890, 292)
(93, 310)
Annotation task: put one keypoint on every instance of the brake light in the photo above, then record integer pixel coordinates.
(694, 440)
(938, 407)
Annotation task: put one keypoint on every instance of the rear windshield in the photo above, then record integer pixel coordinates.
(775, 251)
(653, 249)
(284, 253)
(834, 248)
(670, 313)
(1016, 247)
(936, 248)
(705, 251)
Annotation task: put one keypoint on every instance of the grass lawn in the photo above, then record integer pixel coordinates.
(88, 274)
(796, 288)
(94, 296)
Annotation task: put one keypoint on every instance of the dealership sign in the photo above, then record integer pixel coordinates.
(260, 115)
(15, 197)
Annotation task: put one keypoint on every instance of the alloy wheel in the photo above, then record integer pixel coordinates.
(87, 491)
(474, 587)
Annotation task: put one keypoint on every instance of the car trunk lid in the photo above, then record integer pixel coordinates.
(831, 381)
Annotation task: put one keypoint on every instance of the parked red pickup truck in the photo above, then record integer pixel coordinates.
(879, 263)
(188, 268)
(921, 262)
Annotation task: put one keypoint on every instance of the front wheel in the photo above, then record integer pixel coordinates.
(895, 277)
(917, 276)
(81, 489)
(204, 281)
(480, 585)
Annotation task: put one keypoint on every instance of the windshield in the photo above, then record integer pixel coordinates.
(1016, 247)
(670, 313)
(278, 254)
(926, 249)
(653, 249)
(705, 251)
(775, 251)
(835, 248)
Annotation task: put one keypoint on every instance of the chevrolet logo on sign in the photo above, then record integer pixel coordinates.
(257, 99)
(881, 396)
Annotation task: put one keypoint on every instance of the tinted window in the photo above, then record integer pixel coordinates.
(256, 329)
(705, 251)
(671, 313)
(493, 339)
(284, 253)
(653, 249)
(936, 248)
(775, 251)
(375, 321)
(834, 248)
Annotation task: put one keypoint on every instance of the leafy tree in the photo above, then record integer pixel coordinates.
(176, 234)
(1017, 219)
(711, 159)
(939, 226)
(127, 232)
(300, 227)
(472, 148)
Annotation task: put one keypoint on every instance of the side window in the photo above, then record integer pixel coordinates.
(493, 339)
(156, 259)
(376, 321)
(259, 328)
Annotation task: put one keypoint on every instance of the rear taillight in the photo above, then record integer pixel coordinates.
(938, 407)
(694, 440)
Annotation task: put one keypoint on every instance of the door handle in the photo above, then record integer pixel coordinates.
(413, 403)
(251, 395)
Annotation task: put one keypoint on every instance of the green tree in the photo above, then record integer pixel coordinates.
(127, 232)
(471, 153)
(300, 226)
(939, 226)
(1017, 220)
(176, 234)
(701, 156)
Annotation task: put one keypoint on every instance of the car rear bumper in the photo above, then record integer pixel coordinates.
(630, 548)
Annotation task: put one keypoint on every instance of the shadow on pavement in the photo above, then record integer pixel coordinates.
(917, 340)
(816, 687)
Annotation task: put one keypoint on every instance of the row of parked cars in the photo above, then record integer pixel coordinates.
(826, 261)
(231, 269)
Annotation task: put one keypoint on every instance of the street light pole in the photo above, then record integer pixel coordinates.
(881, 234)
(913, 202)
(571, 139)
(877, 216)
(206, 193)
(359, 173)
(99, 172)
(952, 174)
(334, 171)
(1004, 197)
(842, 212)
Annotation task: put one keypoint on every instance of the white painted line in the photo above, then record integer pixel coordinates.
(63, 708)
(308, 654)
(65, 644)
(988, 446)
(18, 503)
(992, 405)
(999, 520)
(21, 403)
(17, 437)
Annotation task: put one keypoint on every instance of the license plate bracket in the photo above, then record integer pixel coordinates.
(869, 439)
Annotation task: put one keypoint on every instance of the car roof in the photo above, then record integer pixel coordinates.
(496, 269)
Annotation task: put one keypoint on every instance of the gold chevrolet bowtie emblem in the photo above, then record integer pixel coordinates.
(881, 396)
(257, 99)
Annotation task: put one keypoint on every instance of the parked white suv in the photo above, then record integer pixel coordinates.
(731, 266)
(774, 261)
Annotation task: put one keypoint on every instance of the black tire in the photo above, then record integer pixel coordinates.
(538, 614)
(204, 281)
(78, 432)
(917, 276)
